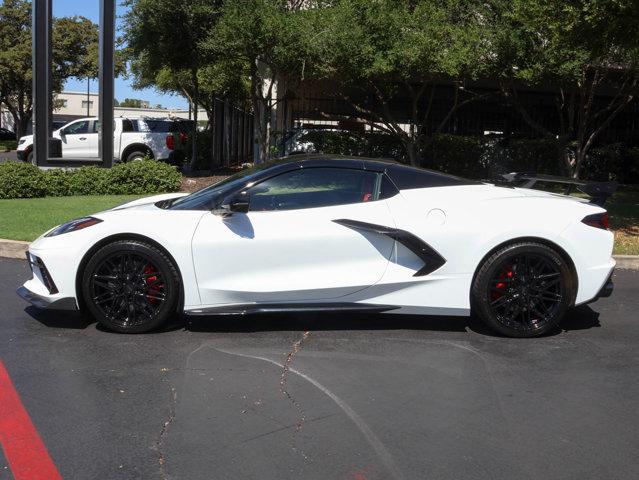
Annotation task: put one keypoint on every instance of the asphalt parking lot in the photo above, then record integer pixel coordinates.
(360, 397)
(4, 156)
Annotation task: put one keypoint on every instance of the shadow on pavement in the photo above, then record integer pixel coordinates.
(579, 318)
(59, 318)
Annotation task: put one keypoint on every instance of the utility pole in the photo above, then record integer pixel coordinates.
(88, 97)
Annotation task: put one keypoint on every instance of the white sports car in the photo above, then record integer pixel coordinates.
(324, 234)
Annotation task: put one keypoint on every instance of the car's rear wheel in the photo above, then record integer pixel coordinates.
(138, 156)
(523, 289)
(130, 286)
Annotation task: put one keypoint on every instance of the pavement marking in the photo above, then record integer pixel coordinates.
(23, 448)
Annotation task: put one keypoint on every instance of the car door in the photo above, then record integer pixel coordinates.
(75, 139)
(288, 247)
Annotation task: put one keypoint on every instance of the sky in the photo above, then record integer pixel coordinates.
(123, 89)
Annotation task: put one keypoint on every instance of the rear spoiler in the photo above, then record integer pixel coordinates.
(599, 192)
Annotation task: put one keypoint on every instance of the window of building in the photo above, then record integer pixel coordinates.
(86, 103)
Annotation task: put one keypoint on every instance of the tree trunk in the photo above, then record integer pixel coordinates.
(413, 151)
(261, 117)
(580, 156)
(196, 95)
(20, 124)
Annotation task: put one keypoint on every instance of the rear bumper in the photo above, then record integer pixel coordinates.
(606, 289)
(50, 303)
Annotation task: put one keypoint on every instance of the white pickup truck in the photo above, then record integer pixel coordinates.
(134, 138)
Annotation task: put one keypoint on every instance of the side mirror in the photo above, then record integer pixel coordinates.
(238, 204)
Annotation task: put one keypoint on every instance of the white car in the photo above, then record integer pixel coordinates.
(134, 138)
(325, 234)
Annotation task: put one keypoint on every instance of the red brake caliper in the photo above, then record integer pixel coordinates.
(501, 283)
(153, 290)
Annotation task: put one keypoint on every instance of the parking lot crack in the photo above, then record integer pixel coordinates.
(159, 444)
(295, 348)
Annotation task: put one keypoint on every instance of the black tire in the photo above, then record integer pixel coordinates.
(138, 155)
(130, 286)
(523, 289)
(29, 158)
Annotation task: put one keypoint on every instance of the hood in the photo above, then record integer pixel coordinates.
(140, 202)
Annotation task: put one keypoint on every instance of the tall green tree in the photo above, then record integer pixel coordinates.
(74, 54)
(585, 51)
(270, 39)
(387, 53)
(165, 44)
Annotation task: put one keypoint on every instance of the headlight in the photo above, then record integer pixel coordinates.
(73, 226)
(21, 141)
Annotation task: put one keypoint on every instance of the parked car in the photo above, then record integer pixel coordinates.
(7, 135)
(331, 234)
(134, 138)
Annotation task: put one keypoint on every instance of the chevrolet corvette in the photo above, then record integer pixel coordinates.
(324, 233)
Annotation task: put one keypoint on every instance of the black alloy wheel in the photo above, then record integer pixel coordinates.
(523, 290)
(130, 286)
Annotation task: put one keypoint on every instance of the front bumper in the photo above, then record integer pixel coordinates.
(41, 290)
(50, 303)
(20, 154)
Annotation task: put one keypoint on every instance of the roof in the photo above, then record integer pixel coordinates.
(404, 176)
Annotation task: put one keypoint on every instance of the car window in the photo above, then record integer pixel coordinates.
(313, 188)
(77, 128)
(127, 125)
(208, 197)
(158, 126)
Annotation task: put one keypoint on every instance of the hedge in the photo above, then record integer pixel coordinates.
(23, 180)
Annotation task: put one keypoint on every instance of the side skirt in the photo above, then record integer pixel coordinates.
(290, 307)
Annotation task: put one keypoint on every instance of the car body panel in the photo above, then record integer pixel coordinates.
(293, 255)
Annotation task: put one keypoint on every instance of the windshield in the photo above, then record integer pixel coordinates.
(208, 197)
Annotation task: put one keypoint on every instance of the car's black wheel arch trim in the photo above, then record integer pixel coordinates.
(119, 237)
(548, 243)
(431, 258)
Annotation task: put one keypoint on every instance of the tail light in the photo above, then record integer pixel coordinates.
(183, 138)
(170, 142)
(597, 220)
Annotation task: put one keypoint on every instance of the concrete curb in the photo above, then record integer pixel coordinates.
(628, 262)
(15, 249)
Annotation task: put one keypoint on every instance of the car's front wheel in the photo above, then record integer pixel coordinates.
(130, 286)
(523, 289)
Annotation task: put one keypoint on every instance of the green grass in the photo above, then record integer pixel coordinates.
(8, 145)
(623, 208)
(27, 218)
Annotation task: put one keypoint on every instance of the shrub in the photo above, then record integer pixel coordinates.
(147, 176)
(88, 180)
(57, 183)
(23, 180)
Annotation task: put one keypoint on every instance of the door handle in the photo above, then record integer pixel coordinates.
(82, 138)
